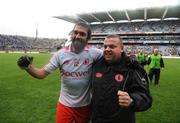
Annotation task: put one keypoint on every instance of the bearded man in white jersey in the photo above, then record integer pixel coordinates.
(75, 63)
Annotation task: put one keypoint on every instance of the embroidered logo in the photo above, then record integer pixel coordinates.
(143, 80)
(119, 77)
(86, 61)
(98, 75)
(76, 62)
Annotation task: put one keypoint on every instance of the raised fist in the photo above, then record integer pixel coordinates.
(24, 61)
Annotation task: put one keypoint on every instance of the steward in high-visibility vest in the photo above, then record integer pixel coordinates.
(155, 63)
(141, 58)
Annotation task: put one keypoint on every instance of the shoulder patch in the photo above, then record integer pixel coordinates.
(98, 75)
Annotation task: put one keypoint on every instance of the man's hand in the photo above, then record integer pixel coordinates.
(24, 62)
(124, 99)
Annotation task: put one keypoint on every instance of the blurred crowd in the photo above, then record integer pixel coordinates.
(24, 43)
(167, 26)
(164, 50)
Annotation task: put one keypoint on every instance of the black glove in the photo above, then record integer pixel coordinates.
(24, 61)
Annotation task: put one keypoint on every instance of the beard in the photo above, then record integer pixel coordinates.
(78, 45)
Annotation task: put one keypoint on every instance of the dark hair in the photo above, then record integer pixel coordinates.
(86, 26)
(114, 36)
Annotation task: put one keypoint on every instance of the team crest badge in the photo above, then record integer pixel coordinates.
(119, 77)
(86, 61)
(98, 75)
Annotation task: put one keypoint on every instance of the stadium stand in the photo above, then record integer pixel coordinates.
(144, 28)
(28, 44)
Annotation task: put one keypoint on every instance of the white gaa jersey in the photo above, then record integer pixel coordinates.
(75, 74)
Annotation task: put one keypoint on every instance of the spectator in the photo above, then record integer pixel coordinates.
(141, 58)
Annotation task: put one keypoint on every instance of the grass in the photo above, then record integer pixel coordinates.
(166, 101)
(24, 99)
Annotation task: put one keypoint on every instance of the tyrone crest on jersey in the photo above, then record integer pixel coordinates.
(86, 61)
(119, 77)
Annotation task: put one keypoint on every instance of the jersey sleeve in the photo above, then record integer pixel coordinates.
(54, 63)
(96, 54)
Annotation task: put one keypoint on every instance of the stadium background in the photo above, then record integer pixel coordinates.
(24, 99)
(144, 28)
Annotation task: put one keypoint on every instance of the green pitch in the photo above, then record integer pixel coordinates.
(24, 99)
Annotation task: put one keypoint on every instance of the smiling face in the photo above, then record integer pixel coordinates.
(79, 38)
(113, 49)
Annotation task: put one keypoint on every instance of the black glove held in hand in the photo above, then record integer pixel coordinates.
(24, 61)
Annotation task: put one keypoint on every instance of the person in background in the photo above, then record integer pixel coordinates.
(156, 63)
(141, 58)
(131, 54)
(119, 85)
(75, 65)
